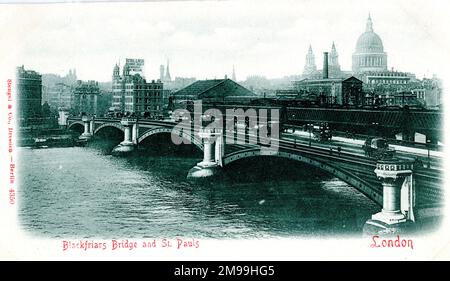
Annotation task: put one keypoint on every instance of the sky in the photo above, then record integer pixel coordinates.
(204, 39)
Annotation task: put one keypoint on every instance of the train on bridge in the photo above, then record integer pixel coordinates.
(408, 125)
(305, 101)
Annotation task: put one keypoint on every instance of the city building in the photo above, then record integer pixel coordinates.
(429, 92)
(334, 68)
(118, 90)
(85, 99)
(164, 73)
(369, 55)
(58, 95)
(406, 98)
(133, 94)
(329, 91)
(258, 84)
(57, 90)
(209, 91)
(310, 70)
(50, 79)
(170, 84)
(161, 72)
(178, 83)
(166, 101)
(167, 77)
(288, 94)
(369, 62)
(386, 78)
(141, 96)
(29, 96)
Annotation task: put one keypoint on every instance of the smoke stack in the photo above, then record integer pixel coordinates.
(325, 65)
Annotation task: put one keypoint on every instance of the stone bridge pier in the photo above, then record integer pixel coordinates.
(398, 198)
(88, 123)
(130, 137)
(213, 151)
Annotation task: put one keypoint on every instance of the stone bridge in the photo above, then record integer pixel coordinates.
(406, 194)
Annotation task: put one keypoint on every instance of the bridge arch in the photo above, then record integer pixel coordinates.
(116, 125)
(165, 130)
(72, 124)
(358, 183)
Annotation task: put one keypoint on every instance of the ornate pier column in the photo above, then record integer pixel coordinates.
(92, 126)
(208, 166)
(135, 133)
(395, 177)
(219, 149)
(127, 145)
(86, 135)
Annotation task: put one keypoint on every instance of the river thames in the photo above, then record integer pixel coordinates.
(81, 192)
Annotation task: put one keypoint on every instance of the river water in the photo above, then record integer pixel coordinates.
(81, 192)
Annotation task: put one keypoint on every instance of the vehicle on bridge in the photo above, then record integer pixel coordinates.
(378, 148)
(114, 113)
(179, 116)
(321, 131)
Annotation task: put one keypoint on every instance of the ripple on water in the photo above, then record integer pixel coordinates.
(77, 192)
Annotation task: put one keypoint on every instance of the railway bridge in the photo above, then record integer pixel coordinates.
(405, 192)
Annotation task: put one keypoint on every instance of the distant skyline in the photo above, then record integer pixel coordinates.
(205, 39)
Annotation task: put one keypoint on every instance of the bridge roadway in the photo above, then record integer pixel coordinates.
(428, 182)
(351, 160)
(351, 165)
(355, 147)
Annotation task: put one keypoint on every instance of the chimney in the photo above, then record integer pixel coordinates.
(325, 65)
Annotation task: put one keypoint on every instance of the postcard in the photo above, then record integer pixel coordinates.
(224, 130)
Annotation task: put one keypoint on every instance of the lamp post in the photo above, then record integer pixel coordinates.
(428, 152)
(309, 128)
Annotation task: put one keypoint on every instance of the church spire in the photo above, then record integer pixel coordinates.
(116, 71)
(168, 78)
(369, 27)
(310, 63)
(335, 68)
(333, 48)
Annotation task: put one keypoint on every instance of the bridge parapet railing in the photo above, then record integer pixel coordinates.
(211, 131)
(394, 165)
(126, 121)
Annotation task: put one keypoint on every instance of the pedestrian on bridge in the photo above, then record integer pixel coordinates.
(339, 151)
